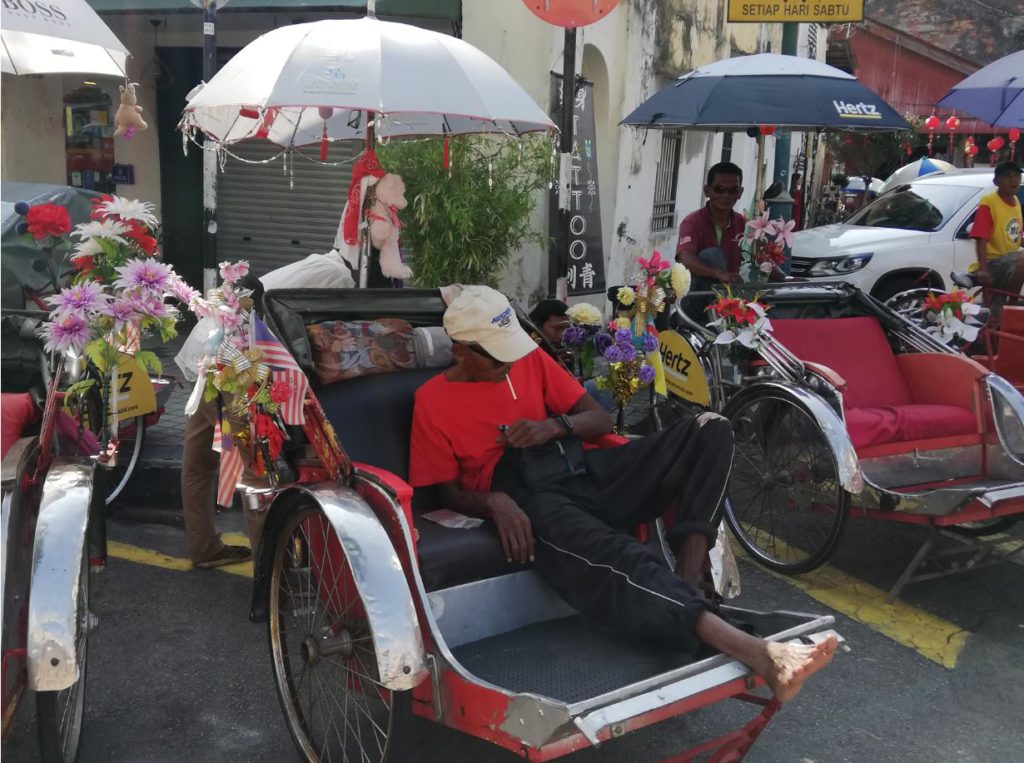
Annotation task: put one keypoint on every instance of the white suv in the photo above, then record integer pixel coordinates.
(913, 235)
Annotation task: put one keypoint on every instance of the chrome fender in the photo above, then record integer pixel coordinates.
(56, 564)
(380, 580)
(851, 477)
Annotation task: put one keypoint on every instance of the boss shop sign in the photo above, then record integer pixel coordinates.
(822, 13)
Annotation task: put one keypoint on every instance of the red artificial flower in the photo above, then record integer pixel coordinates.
(97, 213)
(84, 263)
(935, 301)
(48, 220)
(280, 392)
(140, 235)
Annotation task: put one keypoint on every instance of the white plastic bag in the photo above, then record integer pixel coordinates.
(724, 572)
(194, 348)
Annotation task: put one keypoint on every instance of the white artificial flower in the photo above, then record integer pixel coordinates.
(90, 247)
(680, 279)
(130, 209)
(108, 229)
(586, 314)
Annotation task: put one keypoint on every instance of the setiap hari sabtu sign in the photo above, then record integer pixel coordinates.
(823, 12)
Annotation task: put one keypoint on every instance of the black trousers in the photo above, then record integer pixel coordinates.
(582, 525)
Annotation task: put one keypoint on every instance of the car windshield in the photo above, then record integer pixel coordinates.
(918, 206)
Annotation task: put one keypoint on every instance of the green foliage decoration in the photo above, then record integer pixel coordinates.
(464, 222)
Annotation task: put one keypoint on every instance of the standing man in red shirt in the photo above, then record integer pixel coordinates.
(709, 239)
(499, 433)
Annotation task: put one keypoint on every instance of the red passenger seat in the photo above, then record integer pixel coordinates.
(879, 405)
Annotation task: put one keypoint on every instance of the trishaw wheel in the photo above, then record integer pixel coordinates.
(59, 713)
(131, 435)
(321, 644)
(785, 504)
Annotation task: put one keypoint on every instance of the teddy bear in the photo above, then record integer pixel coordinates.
(388, 198)
(129, 114)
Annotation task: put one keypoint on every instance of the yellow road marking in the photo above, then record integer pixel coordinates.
(929, 635)
(140, 555)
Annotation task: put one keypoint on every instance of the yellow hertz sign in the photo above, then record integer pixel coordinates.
(684, 374)
(821, 12)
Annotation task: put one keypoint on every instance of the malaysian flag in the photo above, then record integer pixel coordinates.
(231, 466)
(284, 368)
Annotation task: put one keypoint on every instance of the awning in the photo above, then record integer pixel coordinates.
(450, 10)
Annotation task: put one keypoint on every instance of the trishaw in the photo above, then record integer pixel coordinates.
(376, 613)
(849, 409)
(52, 534)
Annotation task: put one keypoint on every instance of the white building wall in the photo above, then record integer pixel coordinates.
(33, 137)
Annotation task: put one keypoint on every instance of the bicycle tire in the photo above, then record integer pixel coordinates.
(59, 714)
(131, 438)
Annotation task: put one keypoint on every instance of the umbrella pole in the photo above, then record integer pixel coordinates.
(759, 187)
(364, 240)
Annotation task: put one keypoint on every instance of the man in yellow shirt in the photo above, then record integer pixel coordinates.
(997, 234)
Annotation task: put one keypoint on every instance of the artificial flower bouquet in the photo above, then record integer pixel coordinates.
(952, 317)
(765, 241)
(117, 297)
(738, 320)
(259, 386)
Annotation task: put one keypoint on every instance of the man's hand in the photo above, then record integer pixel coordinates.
(726, 277)
(513, 527)
(526, 433)
(984, 277)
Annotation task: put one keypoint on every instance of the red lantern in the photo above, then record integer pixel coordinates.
(992, 145)
(952, 123)
(973, 150)
(931, 122)
(1014, 135)
(996, 143)
(767, 129)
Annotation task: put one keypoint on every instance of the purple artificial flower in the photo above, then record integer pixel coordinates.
(628, 352)
(66, 332)
(623, 335)
(646, 374)
(613, 353)
(147, 275)
(181, 290)
(602, 341)
(574, 336)
(86, 297)
(649, 343)
(148, 305)
(122, 311)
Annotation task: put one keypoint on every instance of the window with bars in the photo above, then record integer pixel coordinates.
(665, 180)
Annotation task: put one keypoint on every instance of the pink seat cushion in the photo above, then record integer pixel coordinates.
(856, 349)
(902, 423)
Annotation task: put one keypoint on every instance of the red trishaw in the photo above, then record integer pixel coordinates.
(376, 613)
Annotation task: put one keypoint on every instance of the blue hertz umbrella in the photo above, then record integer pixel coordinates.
(994, 94)
(766, 89)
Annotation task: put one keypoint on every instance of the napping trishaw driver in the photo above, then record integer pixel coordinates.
(499, 433)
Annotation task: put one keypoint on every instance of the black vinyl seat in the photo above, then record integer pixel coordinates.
(373, 418)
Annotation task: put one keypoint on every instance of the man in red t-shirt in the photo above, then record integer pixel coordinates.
(497, 433)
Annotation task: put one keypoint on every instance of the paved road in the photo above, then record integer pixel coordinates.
(177, 673)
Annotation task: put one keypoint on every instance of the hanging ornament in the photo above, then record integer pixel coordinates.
(490, 174)
(932, 124)
(248, 113)
(767, 129)
(184, 142)
(996, 143)
(952, 123)
(325, 113)
(446, 160)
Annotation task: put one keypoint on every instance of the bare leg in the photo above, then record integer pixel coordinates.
(784, 667)
(691, 559)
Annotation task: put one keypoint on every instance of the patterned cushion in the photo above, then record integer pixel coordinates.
(347, 349)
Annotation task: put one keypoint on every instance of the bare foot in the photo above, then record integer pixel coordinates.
(787, 666)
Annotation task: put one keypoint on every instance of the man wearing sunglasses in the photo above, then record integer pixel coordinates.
(499, 434)
(709, 237)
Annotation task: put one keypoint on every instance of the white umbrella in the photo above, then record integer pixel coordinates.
(54, 38)
(908, 173)
(291, 83)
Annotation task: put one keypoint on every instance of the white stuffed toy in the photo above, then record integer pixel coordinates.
(388, 199)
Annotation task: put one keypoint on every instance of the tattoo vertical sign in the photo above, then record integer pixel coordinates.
(585, 259)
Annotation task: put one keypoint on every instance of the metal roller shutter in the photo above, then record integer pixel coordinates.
(260, 218)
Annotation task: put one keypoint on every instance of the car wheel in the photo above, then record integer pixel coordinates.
(893, 286)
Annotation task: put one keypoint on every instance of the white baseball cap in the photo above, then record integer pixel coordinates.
(480, 315)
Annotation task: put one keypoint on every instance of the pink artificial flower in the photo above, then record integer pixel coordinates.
(228, 319)
(201, 307)
(148, 275)
(784, 231)
(232, 272)
(149, 305)
(84, 298)
(66, 332)
(655, 264)
(759, 227)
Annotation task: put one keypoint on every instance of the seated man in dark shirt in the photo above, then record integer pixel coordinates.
(496, 433)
